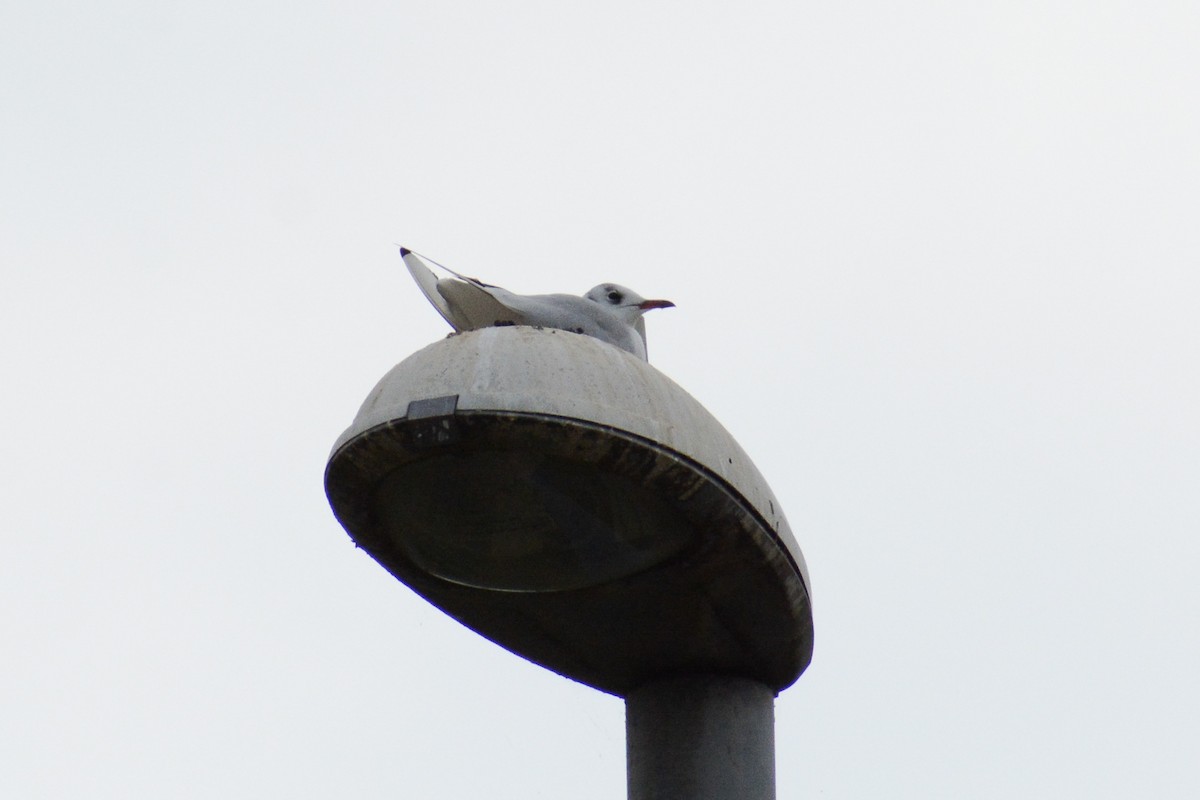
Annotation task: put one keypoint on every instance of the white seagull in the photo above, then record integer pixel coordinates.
(608, 312)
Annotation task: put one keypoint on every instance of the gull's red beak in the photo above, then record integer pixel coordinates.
(646, 305)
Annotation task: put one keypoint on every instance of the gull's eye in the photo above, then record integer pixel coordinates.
(614, 297)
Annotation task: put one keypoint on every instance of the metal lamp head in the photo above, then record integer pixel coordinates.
(572, 504)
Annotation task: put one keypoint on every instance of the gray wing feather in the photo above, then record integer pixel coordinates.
(473, 306)
(467, 304)
(428, 284)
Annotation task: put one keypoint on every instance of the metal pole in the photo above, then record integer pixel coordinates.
(701, 737)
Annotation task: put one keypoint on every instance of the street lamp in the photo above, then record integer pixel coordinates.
(572, 504)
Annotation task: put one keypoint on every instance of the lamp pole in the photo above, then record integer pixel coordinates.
(700, 736)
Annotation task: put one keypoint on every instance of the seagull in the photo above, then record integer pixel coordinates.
(608, 312)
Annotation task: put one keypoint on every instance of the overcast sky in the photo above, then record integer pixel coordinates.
(936, 267)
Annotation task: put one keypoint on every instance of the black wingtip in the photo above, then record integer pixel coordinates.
(404, 251)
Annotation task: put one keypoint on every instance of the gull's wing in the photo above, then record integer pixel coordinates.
(427, 282)
(475, 307)
(466, 304)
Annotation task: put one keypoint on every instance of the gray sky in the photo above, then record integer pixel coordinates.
(936, 268)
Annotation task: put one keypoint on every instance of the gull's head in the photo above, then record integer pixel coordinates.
(623, 302)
